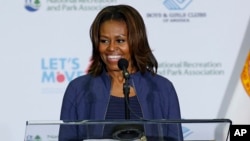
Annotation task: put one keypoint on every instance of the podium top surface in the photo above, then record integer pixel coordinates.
(121, 121)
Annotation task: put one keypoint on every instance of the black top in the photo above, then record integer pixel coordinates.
(116, 110)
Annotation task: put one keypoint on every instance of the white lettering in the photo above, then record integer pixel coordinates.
(240, 132)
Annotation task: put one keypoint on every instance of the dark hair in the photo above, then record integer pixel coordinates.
(141, 54)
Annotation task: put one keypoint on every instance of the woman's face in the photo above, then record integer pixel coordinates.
(113, 44)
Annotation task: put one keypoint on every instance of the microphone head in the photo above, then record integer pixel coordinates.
(123, 64)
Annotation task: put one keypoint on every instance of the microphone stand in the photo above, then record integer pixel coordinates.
(127, 132)
(126, 90)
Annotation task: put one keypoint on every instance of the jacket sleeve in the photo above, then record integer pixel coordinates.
(173, 113)
(68, 113)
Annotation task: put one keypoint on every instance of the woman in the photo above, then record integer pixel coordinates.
(119, 32)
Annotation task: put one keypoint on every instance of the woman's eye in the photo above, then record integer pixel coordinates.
(103, 41)
(120, 40)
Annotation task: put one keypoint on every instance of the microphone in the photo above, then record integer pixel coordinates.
(123, 65)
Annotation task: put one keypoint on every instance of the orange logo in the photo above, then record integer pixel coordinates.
(245, 75)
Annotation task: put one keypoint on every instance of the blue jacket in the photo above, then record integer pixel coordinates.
(87, 98)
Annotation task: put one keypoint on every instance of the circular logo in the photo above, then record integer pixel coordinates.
(245, 75)
(32, 5)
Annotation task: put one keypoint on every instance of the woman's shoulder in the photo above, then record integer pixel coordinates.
(81, 79)
(157, 77)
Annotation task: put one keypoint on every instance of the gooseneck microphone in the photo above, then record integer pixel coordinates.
(123, 65)
(131, 131)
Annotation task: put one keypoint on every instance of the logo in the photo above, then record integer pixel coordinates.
(239, 132)
(59, 70)
(176, 12)
(176, 4)
(245, 75)
(56, 72)
(32, 5)
(186, 132)
(33, 138)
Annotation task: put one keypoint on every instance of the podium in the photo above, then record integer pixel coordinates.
(129, 130)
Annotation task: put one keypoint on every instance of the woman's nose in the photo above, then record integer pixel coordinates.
(112, 46)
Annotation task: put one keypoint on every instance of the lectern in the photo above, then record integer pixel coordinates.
(129, 130)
